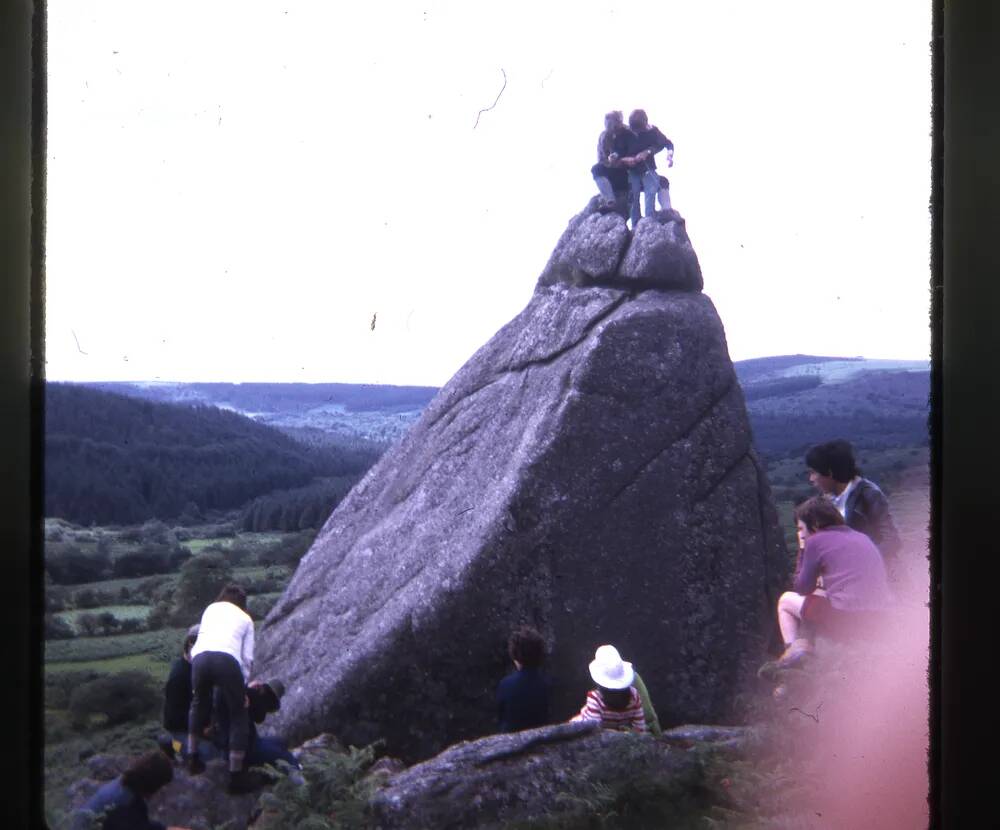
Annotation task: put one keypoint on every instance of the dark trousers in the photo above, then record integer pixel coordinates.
(216, 670)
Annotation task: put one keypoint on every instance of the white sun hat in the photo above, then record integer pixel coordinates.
(609, 670)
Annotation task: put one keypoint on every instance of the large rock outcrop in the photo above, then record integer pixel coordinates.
(590, 471)
(560, 774)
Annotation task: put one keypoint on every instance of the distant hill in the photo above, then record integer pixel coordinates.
(113, 459)
(793, 401)
(331, 414)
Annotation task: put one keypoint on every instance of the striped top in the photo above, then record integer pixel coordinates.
(631, 717)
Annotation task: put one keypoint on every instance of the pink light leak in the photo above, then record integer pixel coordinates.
(869, 750)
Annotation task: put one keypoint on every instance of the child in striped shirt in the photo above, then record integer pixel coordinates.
(615, 703)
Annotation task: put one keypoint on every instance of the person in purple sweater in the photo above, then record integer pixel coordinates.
(852, 572)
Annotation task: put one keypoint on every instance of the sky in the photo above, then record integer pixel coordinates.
(237, 190)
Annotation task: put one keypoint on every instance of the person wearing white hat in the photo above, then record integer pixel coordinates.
(615, 703)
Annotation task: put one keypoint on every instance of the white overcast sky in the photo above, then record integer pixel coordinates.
(236, 188)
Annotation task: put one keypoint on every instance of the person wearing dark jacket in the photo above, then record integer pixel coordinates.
(609, 173)
(263, 699)
(177, 704)
(523, 695)
(121, 804)
(635, 148)
(834, 472)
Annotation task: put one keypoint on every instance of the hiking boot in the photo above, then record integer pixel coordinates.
(195, 765)
(795, 653)
(244, 781)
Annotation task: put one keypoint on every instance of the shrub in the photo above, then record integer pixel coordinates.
(201, 579)
(109, 622)
(56, 628)
(336, 793)
(59, 686)
(68, 565)
(131, 534)
(56, 598)
(120, 698)
(289, 550)
(153, 590)
(153, 558)
(89, 624)
(156, 531)
(86, 598)
(258, 606)
(130, 625)
(160, 616)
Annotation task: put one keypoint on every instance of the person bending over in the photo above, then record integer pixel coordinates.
(614, 702)
(262, 700)
(222, 658)
(121, 804)
(834, 472)
(855, 588)
(523, 695)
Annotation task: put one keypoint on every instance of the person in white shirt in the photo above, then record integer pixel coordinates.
(222, 658)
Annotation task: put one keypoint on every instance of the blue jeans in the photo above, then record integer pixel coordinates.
(266, 750)
(206, 749)
(646, 182)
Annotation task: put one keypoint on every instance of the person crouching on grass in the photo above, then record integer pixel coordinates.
(615, 703)
(855, 588)
(222, 658)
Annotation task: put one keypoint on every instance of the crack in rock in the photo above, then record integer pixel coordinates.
(680, 437)
(726, 473)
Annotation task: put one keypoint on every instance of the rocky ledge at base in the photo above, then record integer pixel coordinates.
(589, 471)
(566, 773)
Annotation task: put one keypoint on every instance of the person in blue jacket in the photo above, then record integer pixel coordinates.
(523, 695)
(121, 804)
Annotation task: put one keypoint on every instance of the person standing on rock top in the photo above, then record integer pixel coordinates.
(523, 695)
(610, 174)
(635, 148)
(222, 658)
(834, 472)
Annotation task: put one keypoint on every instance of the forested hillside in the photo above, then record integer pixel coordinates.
(111, 459)
(281, 397)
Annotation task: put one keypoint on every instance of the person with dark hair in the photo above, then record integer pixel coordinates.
(855, 588)
(635, 148)
(614, 702)
(120, 804)
(523, 695)
(177, 704)
(834, 472)
(263, 699)
(222, 659)
(609, 173)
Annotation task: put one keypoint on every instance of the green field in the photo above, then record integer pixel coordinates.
(121, 612)
(165, 642)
